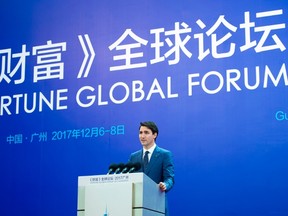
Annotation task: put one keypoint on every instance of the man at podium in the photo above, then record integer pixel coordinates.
(157, 163)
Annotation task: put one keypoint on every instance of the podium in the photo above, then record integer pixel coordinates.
(133, 194)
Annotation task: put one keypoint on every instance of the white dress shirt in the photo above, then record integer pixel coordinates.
(150, 151)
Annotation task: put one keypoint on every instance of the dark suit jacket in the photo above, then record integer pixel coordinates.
(160, 167)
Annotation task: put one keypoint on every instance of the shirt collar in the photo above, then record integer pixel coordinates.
(151, 150)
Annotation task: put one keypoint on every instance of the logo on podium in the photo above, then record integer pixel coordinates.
(106, 212)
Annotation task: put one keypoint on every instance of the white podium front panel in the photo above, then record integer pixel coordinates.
(108, 199)
(133, 194)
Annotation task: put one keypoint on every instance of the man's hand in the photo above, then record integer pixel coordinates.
(162, 186)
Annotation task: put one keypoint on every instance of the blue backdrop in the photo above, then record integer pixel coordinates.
(77, 77)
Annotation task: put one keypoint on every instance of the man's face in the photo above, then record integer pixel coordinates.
(146, 137)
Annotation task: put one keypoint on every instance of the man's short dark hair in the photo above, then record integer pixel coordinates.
(151, 125)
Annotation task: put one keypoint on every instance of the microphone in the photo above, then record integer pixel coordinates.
(127, 167)
(119, 168)
(136, 166)
(112, 168)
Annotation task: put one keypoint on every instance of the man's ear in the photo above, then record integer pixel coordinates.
(155, 135)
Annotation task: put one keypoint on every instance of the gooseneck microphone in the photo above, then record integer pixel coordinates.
(127, 167)
(119, 168)
(135, 167)
(124, 168)
(112, 168)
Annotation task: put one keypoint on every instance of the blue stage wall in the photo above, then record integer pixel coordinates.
(77, 77)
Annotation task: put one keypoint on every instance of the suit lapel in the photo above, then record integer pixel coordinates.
(139, 156)
(153, 159)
